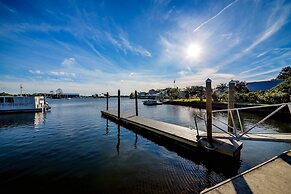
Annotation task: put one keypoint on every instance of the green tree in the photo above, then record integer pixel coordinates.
(174, 93)
(285, 73)
(241, 87)
(284, 87)
(5, 94)
(221, 87)
(187, 94)
(131, 95)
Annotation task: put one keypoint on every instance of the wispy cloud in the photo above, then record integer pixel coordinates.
(8, 8)
(62, 73)
(258, 76)
(262, 54)
(122, 43)
(270, 30)
(69, 61)
(36, 72)
(200, 77)
(79, 47)
(212, 18)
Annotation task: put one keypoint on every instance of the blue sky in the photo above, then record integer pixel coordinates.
(99, 46)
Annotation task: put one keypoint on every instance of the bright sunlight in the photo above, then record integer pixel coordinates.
(193, 51)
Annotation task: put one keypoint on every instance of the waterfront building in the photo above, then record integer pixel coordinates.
(263, 85)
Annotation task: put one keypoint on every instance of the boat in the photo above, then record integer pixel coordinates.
(47, 107)
(151, 102)
(11, 104)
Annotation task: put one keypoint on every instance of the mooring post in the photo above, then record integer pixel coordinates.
(231, 99)
(107, 96)
(44, 106)
(209, 111)
(136, 105)
(118, 104)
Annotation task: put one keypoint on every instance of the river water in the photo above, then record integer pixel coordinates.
(73, 149)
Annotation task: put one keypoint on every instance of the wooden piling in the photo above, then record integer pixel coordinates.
(209, 111)
(136, 104)
(118, 104)
(231, 99)
(107, 96)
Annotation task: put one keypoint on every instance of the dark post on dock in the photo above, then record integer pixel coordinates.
(231, 90)
(118, 104)
(209, 111)
(107, 96)
(136, 105)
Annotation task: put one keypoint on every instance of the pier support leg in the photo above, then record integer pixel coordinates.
(118, 104)
(209, 111)
(231, 99)
(107, 96)
(136, 105)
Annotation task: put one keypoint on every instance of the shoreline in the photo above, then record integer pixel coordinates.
(220, 106)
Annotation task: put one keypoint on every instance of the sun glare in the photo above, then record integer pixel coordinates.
(193, 51)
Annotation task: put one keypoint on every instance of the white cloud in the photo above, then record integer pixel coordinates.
(269, 31)
(36, 72)
(262, 54)
(259, 75)
(69, 61)
(122, 43)
(61, 73)
(275, 22)
(212, 18)
(57, 73)
(8, 8)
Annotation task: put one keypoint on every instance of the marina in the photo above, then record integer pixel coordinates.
(152, 96)
(227, 142)
(55, 147)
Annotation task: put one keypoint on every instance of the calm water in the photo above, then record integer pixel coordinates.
(73, 149)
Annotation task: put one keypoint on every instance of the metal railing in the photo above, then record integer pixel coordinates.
(242, 131)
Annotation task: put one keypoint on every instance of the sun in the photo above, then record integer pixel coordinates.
(193, 51)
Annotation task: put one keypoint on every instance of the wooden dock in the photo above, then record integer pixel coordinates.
(271, 137)
(223, 145)
(272, 176)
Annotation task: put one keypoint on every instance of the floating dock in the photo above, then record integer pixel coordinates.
(222, 145)
(272, 176)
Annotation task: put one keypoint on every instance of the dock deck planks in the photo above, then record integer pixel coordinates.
(226, 146)
(272, 176)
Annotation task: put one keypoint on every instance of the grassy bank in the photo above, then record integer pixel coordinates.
(189, 100)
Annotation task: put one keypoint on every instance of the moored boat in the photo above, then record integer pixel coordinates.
(10, 104)
(151, 102)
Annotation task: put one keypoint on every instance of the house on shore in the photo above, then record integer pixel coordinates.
(182, 94)
(263, 85)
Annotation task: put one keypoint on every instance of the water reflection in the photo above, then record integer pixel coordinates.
(280, 124)
(135, 141)
(106, 129)
(213, 161)
(118, 139)
(76, 148)
(34, 120)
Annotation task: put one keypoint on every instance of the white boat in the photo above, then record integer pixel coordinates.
(23, 104)
(151, 102)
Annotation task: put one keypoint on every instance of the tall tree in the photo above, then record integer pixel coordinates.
(241, 87)
(285, 73)
(222, 87)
